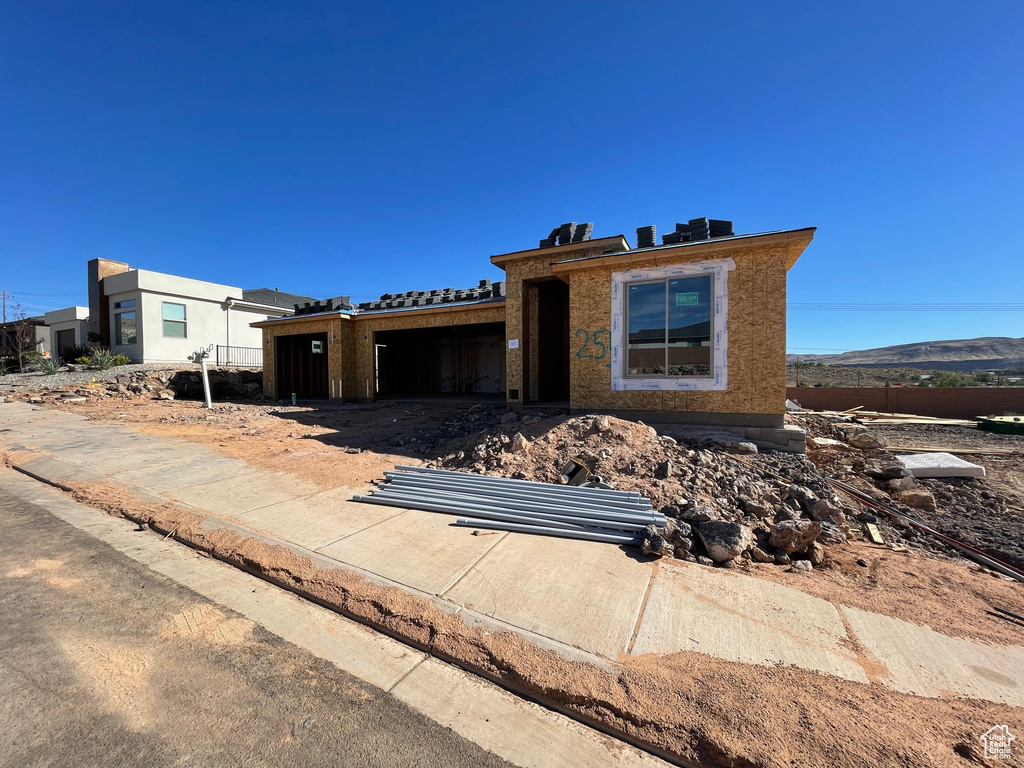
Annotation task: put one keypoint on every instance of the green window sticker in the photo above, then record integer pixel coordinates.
(687, 299)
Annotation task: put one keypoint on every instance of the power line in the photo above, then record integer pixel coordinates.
(894, 307)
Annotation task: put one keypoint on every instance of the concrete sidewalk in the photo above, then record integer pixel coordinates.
(584, 599)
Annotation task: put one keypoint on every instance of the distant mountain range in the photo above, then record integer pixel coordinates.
(991, 352)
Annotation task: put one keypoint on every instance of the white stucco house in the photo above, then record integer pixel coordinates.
(68, 327)
(156, 318)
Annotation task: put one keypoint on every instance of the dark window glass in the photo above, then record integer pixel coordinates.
(669, 327)
(124, 328)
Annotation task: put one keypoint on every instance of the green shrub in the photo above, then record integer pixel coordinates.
(84, 360)
(75, 352)
(48, 366)
(103, 359)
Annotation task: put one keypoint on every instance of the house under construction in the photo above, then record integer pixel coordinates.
(689, 331)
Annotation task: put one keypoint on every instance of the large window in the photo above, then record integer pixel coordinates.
(669, 327)
(174, 320)
(124, 327)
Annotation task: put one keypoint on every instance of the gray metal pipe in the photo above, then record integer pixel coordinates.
(511, 516)
(481, 507)
(508, 480)
(527, 484)
(522, 504)
(608, 538)
(512, 493)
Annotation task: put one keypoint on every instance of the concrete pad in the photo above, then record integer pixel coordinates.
(518, 731)
(582, 593)
(241, 494)
(318, 520)
(918, 660)
(199, 468)
(419, 549)
(740, 618)
(940, 465)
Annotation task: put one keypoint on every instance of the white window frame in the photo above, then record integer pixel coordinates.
(164, 319)
(719, 379)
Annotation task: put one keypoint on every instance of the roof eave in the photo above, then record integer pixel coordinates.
(554, 250)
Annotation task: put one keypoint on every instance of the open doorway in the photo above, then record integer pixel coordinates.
(301, 363)
(443, 362)
(552, 342)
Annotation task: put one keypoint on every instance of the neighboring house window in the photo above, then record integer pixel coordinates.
(174, 321)
(124, 327)
(670, 327)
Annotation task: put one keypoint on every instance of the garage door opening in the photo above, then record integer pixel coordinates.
(466, 360)
(302, 366)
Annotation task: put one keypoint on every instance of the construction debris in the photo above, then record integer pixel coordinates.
(940, 465)
(590, 514)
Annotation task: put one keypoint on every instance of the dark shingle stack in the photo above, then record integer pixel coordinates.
(698, 229)
(485, 290)
(646, 237)
(570, 232)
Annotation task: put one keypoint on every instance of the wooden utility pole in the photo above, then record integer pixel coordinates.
(5, 306)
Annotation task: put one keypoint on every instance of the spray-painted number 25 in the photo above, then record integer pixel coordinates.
(592, 338)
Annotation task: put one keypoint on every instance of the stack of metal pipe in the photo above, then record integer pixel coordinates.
(524, 506)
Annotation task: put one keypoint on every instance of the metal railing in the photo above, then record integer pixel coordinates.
(239, 357)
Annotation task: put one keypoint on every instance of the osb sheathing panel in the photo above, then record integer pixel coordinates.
(332, 326)
(757, 340)
(367, 325)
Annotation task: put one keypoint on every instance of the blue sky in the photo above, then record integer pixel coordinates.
(330, 148)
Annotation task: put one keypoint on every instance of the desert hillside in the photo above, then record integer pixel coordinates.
(990, 352)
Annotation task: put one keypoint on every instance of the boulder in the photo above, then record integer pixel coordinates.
(801, 566)
(758, 509)
(831, 534)
(724, 540)
(794, 535)
(657, 546)
(824, 510)
(803, 495)
(700, 514)
(918, 498)
(865, 441)
(519, 443)
(907, 483)
(758, 555)
(816, 554)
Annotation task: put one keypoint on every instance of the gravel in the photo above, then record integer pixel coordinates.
(12, 382)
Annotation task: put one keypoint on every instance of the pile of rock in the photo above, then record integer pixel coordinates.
(161, 383)
(790, 526)
(723, 501)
